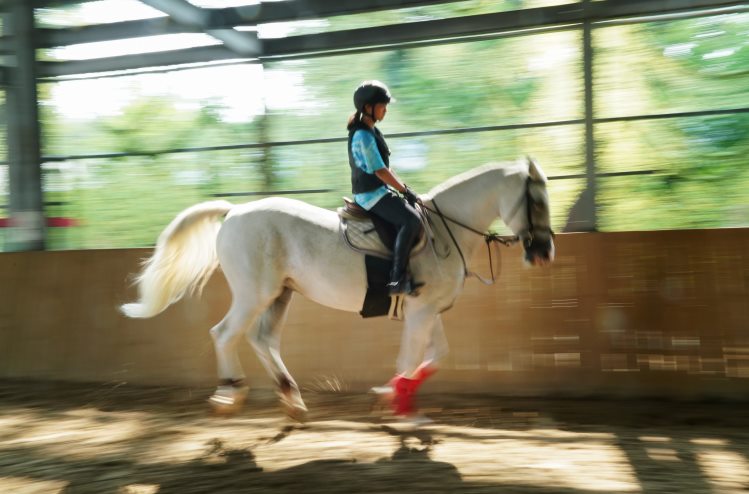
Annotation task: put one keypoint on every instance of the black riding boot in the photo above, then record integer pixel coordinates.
(400, 278)
(396, 212)
(400, 283)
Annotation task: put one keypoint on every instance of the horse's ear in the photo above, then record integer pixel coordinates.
(534, 170)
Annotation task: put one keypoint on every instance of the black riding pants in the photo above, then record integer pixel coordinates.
(397, 212)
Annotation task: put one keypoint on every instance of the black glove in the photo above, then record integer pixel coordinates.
(410, 197)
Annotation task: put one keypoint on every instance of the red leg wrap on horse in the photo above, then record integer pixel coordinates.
(405, 390)
(424, 372)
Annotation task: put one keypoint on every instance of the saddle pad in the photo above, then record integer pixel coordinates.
(377, 301)
(361, 236)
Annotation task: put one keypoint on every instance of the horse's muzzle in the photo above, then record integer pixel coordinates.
(539, 251)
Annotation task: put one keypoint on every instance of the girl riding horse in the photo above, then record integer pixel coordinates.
(369, 159)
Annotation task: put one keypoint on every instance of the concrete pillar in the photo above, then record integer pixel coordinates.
(26, 204)
(582, 216)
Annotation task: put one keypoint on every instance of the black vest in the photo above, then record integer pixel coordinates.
(362, 181)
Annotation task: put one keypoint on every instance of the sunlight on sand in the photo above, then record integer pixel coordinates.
(543, 457)
(725, 469)
(140, 489)
(87, 432)
(662, 454)
(27, 485)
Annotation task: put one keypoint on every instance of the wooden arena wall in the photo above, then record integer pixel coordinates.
(662, 314)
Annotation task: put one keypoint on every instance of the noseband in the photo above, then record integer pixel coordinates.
(528, 235)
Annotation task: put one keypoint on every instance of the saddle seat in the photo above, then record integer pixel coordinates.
(353, 212)
(358, 226)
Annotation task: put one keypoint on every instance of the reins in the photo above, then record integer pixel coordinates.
(489, 237)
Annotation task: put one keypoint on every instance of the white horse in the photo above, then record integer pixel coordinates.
(273, 247)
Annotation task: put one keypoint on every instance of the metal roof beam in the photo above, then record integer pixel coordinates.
(245, 44)
(397, 34)
(222, 18)
(302, 9)
(307, 9)
(311, 43)
(614, 9)
(425, 30)
(48, 38)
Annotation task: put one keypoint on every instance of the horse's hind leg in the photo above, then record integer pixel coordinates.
(265, 338)
(232, 391)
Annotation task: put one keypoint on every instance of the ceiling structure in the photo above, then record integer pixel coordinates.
(221, 23)
(23, 63)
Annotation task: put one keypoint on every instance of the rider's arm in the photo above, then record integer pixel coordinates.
(389, 177)
(367, 157)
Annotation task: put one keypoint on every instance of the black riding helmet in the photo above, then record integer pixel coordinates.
(371, 93)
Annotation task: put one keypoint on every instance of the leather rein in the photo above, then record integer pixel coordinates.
(492, 237)
(489, 238)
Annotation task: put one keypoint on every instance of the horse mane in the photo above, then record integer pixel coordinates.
(509, 168)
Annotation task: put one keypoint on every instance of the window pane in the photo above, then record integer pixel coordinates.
(426, 161)
(132, 46)
(126, 202)
(700, 180)
(95, 12)
(527, 79)
(152, 112)
(684, 65)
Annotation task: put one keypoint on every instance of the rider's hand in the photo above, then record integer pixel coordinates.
(411, 197)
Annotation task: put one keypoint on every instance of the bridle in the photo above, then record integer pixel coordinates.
(493, 238)
(527, 236)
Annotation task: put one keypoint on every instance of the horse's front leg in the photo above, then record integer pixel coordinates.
(422, 345)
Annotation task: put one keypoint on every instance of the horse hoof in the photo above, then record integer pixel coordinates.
(382, 391)
(223, 406)
(382, 399)
(228, 402)
(294, 408)
(294, 411)
(414, 420)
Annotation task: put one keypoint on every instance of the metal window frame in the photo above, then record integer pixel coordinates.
(584, 15)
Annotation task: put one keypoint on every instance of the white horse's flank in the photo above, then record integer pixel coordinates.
(272, 247)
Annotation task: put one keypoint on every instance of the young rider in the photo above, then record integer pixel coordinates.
(369, 159)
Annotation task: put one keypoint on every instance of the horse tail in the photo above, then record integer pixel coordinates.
(183, 261)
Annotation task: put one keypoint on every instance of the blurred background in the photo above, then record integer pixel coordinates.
(641, 119)
(117, 114)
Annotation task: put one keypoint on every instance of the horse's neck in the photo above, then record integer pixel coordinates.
(473, 202)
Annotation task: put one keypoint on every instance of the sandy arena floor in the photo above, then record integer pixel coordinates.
(115, 439)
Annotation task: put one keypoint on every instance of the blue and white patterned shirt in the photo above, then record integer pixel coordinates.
(367, 157)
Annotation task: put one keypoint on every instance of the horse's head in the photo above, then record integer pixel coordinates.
(528, 217)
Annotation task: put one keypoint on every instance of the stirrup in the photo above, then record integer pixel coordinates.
(404, 286)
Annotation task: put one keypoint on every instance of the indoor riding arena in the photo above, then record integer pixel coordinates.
(620, 367)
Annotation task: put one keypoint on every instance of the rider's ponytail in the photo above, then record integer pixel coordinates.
(353, 119)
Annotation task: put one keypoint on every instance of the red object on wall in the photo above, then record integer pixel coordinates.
(61, 222)
(55, 222)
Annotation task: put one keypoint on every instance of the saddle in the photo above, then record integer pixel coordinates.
(369, 234)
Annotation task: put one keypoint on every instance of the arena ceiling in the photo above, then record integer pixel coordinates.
(222, 23)
(233, 35)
